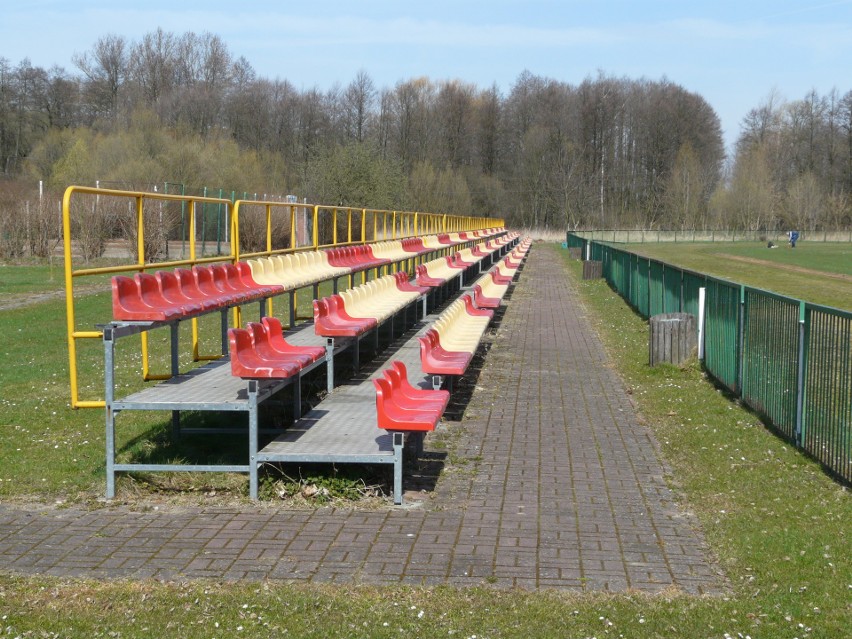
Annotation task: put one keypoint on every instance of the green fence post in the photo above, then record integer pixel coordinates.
(800, 376)
(740, 342)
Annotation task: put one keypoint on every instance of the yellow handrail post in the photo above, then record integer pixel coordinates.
(69, 294)
(191, 231)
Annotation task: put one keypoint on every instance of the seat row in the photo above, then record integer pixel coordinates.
(167, 295)
(170, 295)
(295, 270)
(361, 309)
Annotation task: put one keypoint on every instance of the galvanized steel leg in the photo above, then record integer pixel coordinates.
(398, 442)
(292, 309)
(109, 396)
(252, 397)
(329, 364)
(297, 395)
(175, 364)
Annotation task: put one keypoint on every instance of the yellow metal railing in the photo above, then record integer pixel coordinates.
(305, 227)
(139, 198)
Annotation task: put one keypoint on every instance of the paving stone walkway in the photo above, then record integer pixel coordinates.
(553, 484)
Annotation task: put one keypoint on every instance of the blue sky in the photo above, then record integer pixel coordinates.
(733, 52)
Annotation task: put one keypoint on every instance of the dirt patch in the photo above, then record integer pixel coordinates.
(9, 302)
(788, 267)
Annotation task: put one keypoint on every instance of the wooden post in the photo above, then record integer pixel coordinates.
(592, 269)
(673, 338)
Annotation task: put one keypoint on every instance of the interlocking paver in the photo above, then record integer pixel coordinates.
(560, 487)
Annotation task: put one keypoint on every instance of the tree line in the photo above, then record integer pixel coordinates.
(608, 152)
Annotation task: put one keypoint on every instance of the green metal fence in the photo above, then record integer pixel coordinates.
(789, 360)
(655, 236)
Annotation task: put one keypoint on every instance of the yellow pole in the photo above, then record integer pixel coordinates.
(69, 293)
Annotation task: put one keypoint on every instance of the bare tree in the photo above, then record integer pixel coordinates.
(106, 69)
(154, 65)
(358, 103)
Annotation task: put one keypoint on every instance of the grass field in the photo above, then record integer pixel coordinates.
(819, 272)
(778, 527)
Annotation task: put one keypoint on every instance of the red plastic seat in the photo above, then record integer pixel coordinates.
(403, 284)
(423, 278)
(169, 286)
(500, 279)
(332, 320)
(394, 413)
(477, 312)
(397, 375)
(189, 287)
(434, 360)
(482, 301)
(457, 262)
(365, 258)
(149, 291)
(271, 335)
(128, 305)
(212, 285)
(414, 245)
(333, 257)
(247, 363)
(260, 342)
(235, 281)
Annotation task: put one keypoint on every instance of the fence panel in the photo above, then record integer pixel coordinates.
(721, 331)
(827, 416)
(672, 293)
(619, 276)
(655, 299)
(691, 283)
(639, 286)
(771, 357)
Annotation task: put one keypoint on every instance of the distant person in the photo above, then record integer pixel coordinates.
(794, 237)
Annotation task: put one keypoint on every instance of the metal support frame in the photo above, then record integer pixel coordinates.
(256, 392)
